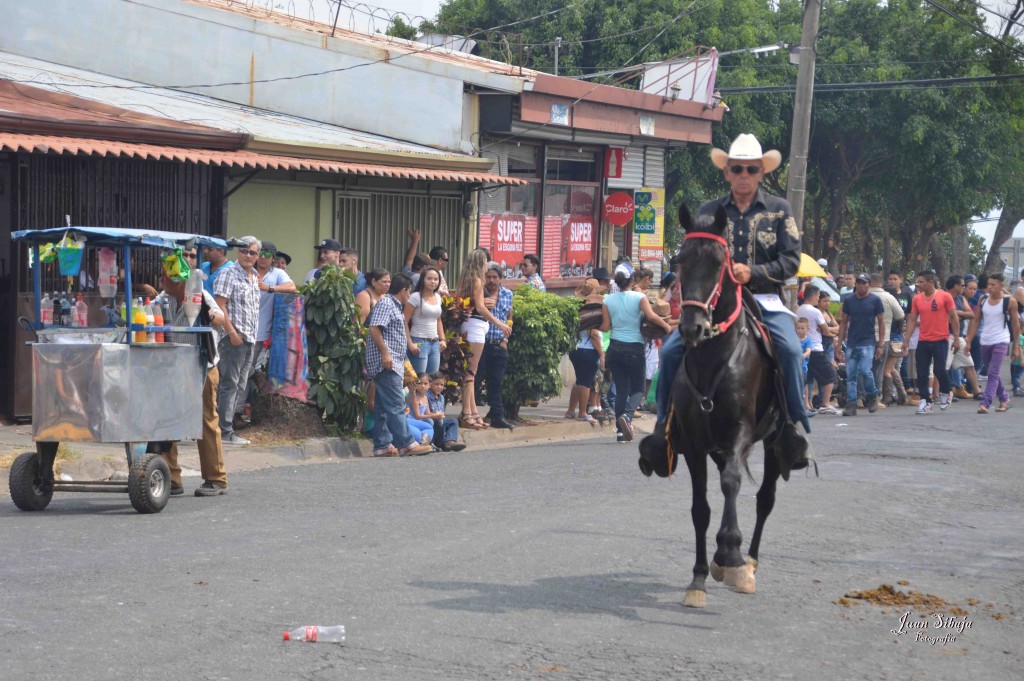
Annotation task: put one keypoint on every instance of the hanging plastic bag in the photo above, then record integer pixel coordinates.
(47, 253)
(69, 255)
(176, 267)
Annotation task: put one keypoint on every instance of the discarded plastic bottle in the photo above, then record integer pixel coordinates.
(314, 634)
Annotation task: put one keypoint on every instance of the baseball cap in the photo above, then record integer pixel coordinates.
(863, 277)
(823, 262)
(330, 245)
(268, 247)
(969, 277)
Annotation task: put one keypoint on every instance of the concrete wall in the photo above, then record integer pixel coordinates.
(173, 43)
(282, 213)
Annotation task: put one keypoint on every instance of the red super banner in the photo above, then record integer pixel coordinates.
(578, 248)
(507, 237)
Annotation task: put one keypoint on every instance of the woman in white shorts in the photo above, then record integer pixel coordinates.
(471, 285)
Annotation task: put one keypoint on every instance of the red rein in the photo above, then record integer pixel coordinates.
(708, 307)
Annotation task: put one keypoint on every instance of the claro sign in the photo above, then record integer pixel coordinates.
(618, 209)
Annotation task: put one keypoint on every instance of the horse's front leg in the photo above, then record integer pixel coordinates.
(765, 496)
(696, 593)
(729, 565)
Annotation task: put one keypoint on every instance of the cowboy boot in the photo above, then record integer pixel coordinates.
(793, 449)
(901, 392)
(654, 453)
(888, 394)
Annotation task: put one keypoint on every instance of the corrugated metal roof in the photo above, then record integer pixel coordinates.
(379, 40)
(48, 144)
(187, 107)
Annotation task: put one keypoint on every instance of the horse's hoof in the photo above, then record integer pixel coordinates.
(741, 579)
(717, 571)
(752, 562)
(645, 467)
(695, 599)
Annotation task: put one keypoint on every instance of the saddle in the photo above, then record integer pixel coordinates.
(764, 341)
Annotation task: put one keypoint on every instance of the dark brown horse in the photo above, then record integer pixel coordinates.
(723, 401)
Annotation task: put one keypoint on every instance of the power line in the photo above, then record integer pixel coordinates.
(876, 85)
(389, 59)
(974, 27)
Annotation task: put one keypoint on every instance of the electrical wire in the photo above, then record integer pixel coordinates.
(974, 27)
(388, 59)
(876, 86)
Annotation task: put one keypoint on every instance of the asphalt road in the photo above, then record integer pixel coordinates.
(557, 562)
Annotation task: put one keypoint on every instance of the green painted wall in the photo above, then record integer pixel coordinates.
(288, 215)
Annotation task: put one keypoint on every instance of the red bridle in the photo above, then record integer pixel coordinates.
(708, 306)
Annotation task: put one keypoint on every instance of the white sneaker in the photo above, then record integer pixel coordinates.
(924, 409)
(830, 411)
(943, 400)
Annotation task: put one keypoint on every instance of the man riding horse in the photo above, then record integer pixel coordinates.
(765, 245)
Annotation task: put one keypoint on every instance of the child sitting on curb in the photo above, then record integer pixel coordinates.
(429, 403)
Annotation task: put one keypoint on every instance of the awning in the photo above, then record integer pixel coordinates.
(47, 144)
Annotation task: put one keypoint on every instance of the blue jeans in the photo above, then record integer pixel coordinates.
(429, 359)
(858, 364)
(445, 430)
(389, 412)
(418, 427)
(787, 349)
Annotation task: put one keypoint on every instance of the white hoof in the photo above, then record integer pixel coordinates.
(695, 599)
(717, 571)
(741, 579)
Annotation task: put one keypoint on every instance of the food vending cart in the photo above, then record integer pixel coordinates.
(97, 383)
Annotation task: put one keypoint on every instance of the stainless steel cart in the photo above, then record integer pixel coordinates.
(95, 384)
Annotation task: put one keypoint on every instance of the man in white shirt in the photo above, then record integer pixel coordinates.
(819, 367)
(893, 312)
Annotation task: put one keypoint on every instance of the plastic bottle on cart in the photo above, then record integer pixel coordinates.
(65, 311)
(124, 310)
(108, 273)
(316, 634)
(46, 311)
(193, 295)
(139, 317)
(150, 320)
(158, 320)
(56, 308)
(80, 313)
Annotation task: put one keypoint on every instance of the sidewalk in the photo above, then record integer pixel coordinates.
(90, 461)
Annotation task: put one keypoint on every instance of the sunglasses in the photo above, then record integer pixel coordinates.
(267, 254)
(189, 255)
(246, 251)
(442, 259)
(738, 170)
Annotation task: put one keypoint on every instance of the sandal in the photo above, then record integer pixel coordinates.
(570, 415)
(480, 421)
(983, 409)
(1004, 406)
(587, 418)
(390, 450)
(467, 421)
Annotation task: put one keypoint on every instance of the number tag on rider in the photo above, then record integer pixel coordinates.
(770, 302)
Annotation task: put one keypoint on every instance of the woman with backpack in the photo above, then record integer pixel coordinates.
(999, 325)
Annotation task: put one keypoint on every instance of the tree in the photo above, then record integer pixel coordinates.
(400, 29)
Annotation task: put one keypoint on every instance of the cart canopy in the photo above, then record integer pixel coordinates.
(117, 236)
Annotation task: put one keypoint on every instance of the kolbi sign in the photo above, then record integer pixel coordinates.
(618, 209)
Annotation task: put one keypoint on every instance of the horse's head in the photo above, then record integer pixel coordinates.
(703, 268)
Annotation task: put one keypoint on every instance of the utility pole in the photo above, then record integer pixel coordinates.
(558, 44)
(797, 186)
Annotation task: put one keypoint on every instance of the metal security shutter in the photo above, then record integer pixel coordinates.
(654, 172)
(376, 225)
(632, 170)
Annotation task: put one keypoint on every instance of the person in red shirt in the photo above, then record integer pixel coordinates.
(937, 314)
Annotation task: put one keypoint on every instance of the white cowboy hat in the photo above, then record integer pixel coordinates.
(747, 148)
(823, 262)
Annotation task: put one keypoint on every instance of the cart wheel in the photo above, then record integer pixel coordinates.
(149, 484)
(30, 491)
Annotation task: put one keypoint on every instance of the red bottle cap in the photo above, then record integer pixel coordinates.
(287, 636)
